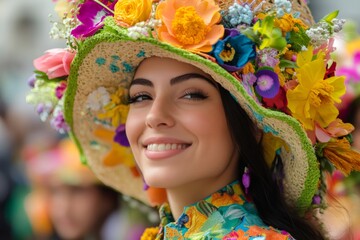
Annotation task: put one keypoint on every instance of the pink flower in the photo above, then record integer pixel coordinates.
(335, 129)
(55, 62)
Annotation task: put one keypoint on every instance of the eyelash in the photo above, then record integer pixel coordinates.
(136, 97)
(194, 95)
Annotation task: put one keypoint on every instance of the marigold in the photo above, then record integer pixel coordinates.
(288, 23)
(313, 99)
(190, 25)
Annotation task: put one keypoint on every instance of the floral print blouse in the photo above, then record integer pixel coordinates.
(225, 215)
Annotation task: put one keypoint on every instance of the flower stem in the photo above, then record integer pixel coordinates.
(104, 6)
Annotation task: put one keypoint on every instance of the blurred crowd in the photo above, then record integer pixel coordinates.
(44, 196)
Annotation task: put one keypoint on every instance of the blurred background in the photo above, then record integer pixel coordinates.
(24, 31)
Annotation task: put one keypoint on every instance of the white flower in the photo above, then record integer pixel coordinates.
(98, 99)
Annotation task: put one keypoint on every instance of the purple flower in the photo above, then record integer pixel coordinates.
(120, 136)
(234, 51)
(44, 110)
(58, 122)
(267, 58)
(249, 80)
(31, 81)
(316, 200)
(60, 89)
(267, 83)
(91, 16)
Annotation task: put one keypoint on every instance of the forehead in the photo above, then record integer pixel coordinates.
(167, 67)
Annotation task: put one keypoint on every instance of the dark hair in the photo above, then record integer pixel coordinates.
(263, 190)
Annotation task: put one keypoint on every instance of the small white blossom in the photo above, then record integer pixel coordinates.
(319, 33)
(98, 99)
(283, 6)
(304, 48)
(338, 24)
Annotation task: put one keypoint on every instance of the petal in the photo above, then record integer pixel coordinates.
(321, 134)
(56, 71)
(326, 114)
(311, 72)
(208, 11)
(67, 60)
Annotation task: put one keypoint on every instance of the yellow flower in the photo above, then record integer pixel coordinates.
(288, 23)
(190, 25)
(116, 110)
(313, 99)
(130, 12)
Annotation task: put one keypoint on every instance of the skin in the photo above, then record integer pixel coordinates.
(76, 211)
(178, 104)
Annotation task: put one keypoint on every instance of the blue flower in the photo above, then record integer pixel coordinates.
(234, 51)
(267, 83)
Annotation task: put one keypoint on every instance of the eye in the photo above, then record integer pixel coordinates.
(139, 97)
(195, 95)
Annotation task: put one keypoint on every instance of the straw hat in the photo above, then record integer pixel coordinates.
(263, 52)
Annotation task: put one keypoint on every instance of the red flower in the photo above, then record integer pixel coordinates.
(278, 102)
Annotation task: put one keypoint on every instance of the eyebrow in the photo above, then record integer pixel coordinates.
(175, 80)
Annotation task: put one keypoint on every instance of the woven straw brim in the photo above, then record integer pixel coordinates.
(120, 56)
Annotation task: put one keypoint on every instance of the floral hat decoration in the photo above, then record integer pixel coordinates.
(270, 55)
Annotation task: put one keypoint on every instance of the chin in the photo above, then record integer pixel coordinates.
(161, 180)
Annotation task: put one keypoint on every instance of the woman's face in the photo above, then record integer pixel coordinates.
(177, 127)
(76, 211)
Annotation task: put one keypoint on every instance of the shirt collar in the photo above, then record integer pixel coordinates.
(228, 195)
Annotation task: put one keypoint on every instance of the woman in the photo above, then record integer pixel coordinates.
(216, 108)
(188, 135)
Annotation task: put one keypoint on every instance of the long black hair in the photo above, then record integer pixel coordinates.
(264, 191)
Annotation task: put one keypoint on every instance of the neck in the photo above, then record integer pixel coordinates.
(193, 192)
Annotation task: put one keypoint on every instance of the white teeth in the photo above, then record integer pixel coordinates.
(165, 146)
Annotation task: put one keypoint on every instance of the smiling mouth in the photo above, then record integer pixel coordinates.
(166, 146)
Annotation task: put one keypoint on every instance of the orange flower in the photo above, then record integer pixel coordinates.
(190, 25)
(288, 23)
(339, 153)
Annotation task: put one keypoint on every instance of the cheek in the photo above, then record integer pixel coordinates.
(208, 125)
(134, 127)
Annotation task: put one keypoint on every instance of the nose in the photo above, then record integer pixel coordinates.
(160, 114)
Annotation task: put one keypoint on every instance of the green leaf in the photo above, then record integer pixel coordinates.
(43, 76)
(298, 39)
(277, 40)
(328, 18)
(287, 64)
(251, 35)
